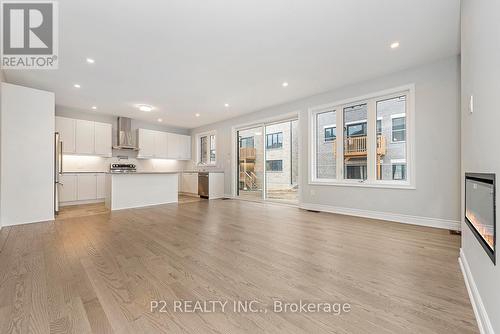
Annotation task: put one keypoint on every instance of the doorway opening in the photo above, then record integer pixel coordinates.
(267, 162)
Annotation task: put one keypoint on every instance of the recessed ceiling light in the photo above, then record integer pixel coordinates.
(90, 60)
(145, 107)
(160, 120)
(197, 115)
(94, 108)
(76, 86)
(285, 84)
(226, 105)
(394, 45)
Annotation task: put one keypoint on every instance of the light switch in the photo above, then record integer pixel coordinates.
(471, 104)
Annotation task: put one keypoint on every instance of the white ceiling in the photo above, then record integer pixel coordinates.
(186, 57)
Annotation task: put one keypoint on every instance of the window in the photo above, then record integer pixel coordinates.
(207, 149)
(274, 165)
(393, 113)
(355, 130)
(212, 149)
(355, 143)
(204, 149)
(398, 129)
(274, 140)
(330, 134)
(326, 164)
(374, 141)
(399, 172)
(247, 142)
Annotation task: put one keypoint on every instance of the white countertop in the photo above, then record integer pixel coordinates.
(141, 172)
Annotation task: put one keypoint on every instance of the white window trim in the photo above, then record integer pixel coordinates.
(198, 148)
(371, 182)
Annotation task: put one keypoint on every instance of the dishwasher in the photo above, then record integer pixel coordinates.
(203, 185)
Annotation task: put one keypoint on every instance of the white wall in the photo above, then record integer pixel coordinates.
(481, 138)
(2, 79)
(74, 163)
(27, 155)
(437, 194)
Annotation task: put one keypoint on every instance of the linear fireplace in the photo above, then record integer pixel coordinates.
(480, 209)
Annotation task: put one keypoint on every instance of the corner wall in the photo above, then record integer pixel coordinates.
(436, 199)
(480, 144)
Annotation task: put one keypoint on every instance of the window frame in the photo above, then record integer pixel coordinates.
(274, 171)
(209, 135)
(371, 101)
(393, 117)
(277, 134)
(329, 139)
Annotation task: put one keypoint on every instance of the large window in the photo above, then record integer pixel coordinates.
(373, 143)
(355, 142)
(207, 149)
(274, 165)
(274, 140)
(325, 144)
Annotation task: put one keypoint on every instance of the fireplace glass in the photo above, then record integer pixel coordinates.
(480, 209)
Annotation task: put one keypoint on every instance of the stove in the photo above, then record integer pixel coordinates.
(122, 168)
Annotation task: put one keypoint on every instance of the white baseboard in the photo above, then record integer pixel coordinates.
(483, 321)
(90, 201)
(395, 217)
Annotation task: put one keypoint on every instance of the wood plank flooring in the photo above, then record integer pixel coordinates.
(99, 273)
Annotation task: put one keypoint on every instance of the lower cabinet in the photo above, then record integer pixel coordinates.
(67, 188)
(86, 188)
(190, 183)
(81, 187)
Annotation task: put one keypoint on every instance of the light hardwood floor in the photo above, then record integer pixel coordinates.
(98, 273)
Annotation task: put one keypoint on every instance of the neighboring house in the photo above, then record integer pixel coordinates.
(281, 156)
(391, 141)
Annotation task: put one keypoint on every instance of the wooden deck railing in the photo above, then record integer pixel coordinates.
(248, 153)
(357, 146)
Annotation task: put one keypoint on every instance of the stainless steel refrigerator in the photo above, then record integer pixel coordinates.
(58, 169)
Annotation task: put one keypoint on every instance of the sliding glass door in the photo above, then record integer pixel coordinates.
(282, 150)
(268, 162)
(250, 163)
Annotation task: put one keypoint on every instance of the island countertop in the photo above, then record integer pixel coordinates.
(143, 189)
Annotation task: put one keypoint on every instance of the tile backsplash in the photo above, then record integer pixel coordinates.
(83, 163)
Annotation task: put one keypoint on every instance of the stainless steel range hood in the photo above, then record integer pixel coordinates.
(126, 138)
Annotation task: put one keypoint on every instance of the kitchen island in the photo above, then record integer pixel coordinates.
(138, 189)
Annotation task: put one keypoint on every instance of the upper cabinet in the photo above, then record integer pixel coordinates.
(84, 137)
(163, 145)
(146, 143)
(102, 138)
(66, 128)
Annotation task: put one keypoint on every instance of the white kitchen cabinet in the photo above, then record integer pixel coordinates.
(146, 141)
(102, 139)
(67, 187)
(190, 183)
(84, 136)
(185, 147)
(101, 185)
(161, 144)
(66, 128)
(173, 146)
(86, 187)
